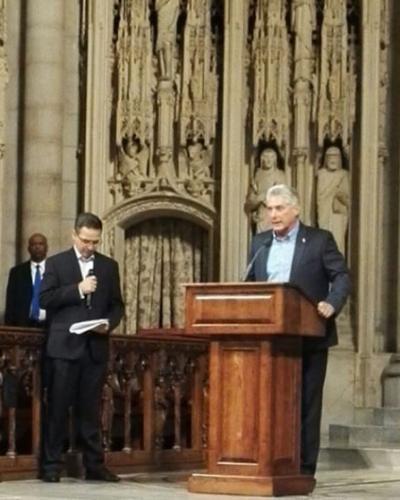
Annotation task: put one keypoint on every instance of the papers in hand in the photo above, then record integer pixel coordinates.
(85, 326)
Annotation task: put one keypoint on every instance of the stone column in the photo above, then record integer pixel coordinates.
(43, 120)
(165, 133)
(303, 175)
(4, 185)
(98, 105)
(234, 178)
(71, 117)
(368, 229)
(391, 373)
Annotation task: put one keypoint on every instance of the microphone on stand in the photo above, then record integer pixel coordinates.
(251, 263)
(88, 296)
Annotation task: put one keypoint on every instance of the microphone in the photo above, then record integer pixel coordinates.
(88, 296)
(251, 263)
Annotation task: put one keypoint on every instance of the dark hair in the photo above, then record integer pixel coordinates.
(87, 219)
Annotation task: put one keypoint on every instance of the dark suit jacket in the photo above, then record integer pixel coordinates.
(59, 295)
(318, 268)
(19, 295)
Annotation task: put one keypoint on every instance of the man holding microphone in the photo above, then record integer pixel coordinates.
(79, 284)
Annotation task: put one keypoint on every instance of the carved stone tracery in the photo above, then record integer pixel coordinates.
(302, 78)
(270, 75)
(166, 56)
(336, 81)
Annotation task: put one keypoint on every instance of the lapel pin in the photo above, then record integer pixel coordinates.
(303, 240)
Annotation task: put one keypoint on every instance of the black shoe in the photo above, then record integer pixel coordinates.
(101, 474)
(50, 477)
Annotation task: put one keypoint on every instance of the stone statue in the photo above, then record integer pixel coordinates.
(333, 196)
(266, 175)
(132, 164)
(167, 17)
(198, 161)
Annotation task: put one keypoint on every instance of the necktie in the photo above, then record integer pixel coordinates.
(35, 296)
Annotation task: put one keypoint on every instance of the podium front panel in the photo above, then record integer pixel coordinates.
(249, 308)
(254, 407)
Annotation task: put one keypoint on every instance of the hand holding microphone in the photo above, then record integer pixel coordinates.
(88, 286)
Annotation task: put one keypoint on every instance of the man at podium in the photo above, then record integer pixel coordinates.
(308, 258)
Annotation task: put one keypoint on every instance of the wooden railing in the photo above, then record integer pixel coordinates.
(153, 405)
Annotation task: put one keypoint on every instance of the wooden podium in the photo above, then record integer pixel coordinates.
(255, 385)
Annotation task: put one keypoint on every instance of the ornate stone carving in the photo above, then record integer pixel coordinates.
(132, 170)
(195, 170)
(135, 75)
(303, 24)
(270, 74)
(152, 96)
(384, 79)
(333, 196)
(156, 204)
(199, 82)
(167, 17)
(269, 97)
(267, 174)
(335, 105)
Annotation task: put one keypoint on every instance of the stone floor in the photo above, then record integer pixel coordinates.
(355, 484)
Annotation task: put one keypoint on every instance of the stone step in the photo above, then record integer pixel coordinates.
(362, 436)
(377, 416)
(345, 458)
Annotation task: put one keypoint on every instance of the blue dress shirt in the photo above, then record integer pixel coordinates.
(280, 257)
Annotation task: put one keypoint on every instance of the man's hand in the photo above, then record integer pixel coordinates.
(88, 285)
(102, 329)
(325, 310)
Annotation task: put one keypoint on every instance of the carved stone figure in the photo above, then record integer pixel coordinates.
(266, 175)
(167, 17)
(333, 196)
(198, 160)
(132, 165)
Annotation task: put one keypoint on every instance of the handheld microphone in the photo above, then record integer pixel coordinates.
(88, 296)
(251, 263)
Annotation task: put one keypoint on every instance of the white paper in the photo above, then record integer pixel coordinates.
(85, 326)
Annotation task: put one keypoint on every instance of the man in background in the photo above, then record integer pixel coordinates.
(294, 253)
(79, 284)
(23, 287)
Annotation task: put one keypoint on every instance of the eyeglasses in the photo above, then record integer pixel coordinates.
(87, 242)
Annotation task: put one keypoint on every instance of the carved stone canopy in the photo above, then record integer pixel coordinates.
(152, 205)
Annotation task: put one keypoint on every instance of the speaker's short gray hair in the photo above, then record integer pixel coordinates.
(289, 194)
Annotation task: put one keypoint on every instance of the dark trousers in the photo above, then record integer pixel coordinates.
(314, 371)
(79, 383)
